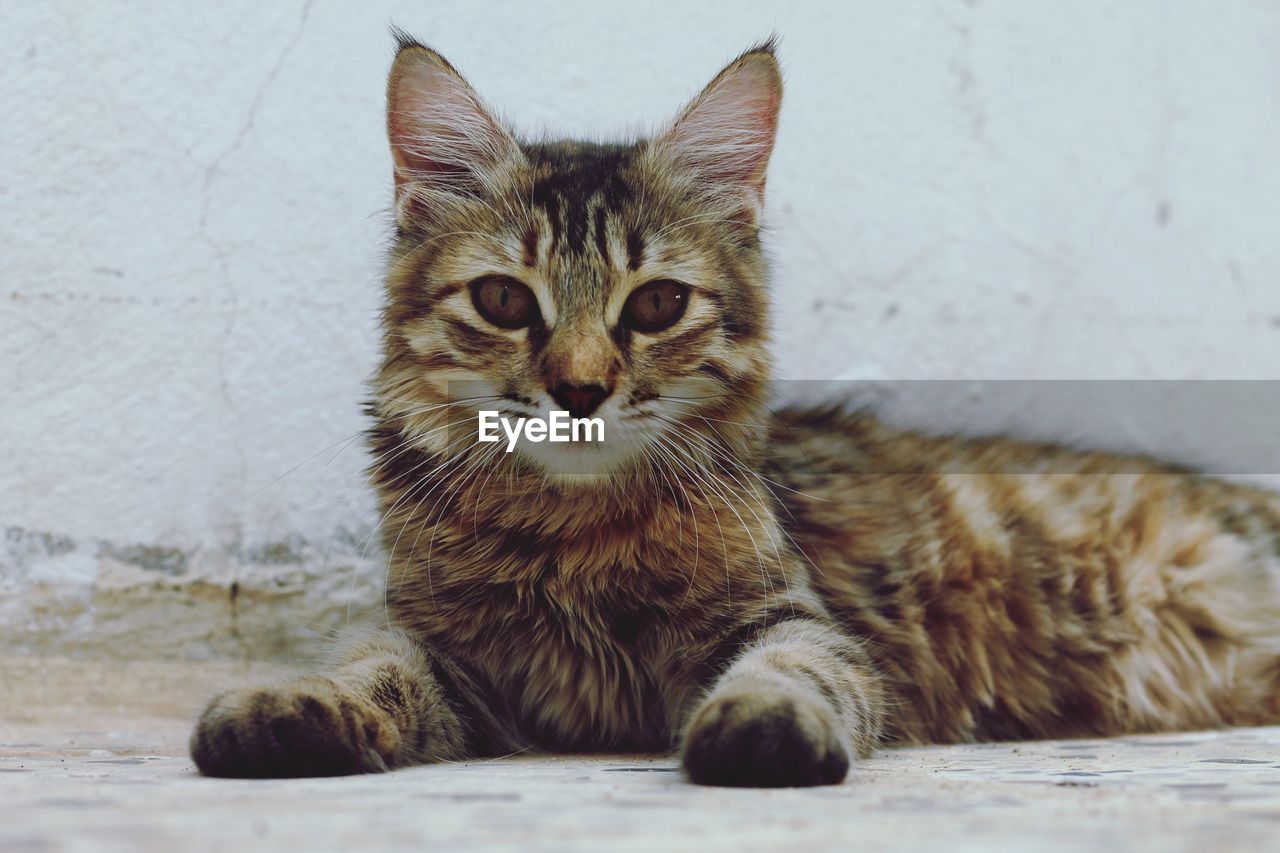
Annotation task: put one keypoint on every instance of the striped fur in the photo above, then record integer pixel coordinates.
(773, 594)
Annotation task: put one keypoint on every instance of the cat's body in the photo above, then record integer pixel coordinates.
(774, 593)
(1038, 591)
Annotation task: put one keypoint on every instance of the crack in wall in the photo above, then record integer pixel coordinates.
(220, 251)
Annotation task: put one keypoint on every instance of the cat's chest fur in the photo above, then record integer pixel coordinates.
(582, 672)
(589, 641)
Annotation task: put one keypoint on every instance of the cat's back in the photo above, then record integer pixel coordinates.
(1011, 584)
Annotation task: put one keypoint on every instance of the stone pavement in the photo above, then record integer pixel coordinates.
(92, 757)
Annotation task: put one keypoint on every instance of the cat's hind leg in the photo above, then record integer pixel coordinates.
(379, 706)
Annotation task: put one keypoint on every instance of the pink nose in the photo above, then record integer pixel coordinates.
(579, 400)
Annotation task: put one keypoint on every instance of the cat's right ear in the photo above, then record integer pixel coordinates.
(447, 146)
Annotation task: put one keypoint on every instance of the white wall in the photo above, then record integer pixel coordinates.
(193, 208)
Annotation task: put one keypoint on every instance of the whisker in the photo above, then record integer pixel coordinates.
(729, 459)
(697, 471)
(756, 474)
(443, 470)
(476, 465)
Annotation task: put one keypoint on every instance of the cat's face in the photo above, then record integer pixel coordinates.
(620, 282)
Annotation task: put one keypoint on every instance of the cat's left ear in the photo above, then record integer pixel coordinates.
(722, 141)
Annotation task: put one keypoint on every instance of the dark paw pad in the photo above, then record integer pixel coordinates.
(774, 741)
(289, 732)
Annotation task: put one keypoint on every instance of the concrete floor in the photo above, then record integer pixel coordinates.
(92, 757)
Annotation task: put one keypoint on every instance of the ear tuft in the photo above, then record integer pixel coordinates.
(403, 39)
(723, 139)
(446, 144)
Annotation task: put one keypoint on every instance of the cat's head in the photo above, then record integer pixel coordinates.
(625, 282)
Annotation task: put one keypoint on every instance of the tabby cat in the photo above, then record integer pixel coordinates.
(771, 593)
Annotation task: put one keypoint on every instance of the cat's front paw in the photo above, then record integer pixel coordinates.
(765, 738)
(310, 728)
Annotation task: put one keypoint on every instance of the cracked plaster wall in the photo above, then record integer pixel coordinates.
(193, 207)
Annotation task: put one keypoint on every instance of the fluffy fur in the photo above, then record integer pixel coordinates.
(773, 594)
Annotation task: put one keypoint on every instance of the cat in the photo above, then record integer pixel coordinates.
(772, 594)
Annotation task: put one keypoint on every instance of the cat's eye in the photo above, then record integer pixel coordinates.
(504, 302)
(655, 306)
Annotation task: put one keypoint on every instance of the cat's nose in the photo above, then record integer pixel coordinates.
(579, 400)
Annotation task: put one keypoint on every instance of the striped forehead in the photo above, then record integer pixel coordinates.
(582, 190)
